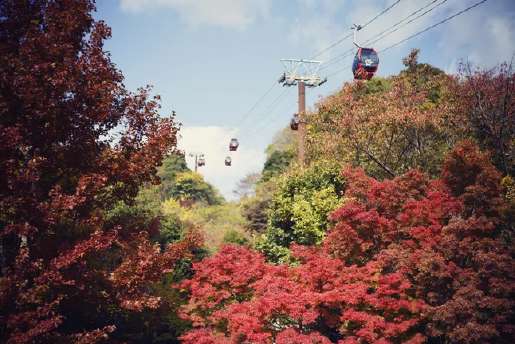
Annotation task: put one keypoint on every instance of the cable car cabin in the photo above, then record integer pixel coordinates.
(228, 161)
(233, 145)
(294, 123)
(201, 161)
(365, 64)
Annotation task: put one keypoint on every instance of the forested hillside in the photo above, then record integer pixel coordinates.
(398, 229)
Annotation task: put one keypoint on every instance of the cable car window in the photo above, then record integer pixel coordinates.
(369, 54)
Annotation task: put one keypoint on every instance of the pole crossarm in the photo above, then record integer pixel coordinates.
(299, 70)
(197, 156)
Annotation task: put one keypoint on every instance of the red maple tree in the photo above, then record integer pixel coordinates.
(485, 110)
(73, 142)
(409, 259)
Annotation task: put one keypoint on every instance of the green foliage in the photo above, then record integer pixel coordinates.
(139, 213)
(376, 85)
(273, 251)
(172, 226)
(235, 237)
(284, 140)
(413, 67)
(147, 212)
(280, 154)
(213, 221)
(190, 203)
(299, 208)
(173, 165)
(425, 79)
(190, 187)
(277, 163)
(309, 214)
(508, 183)
(166, 219)
(180, 183)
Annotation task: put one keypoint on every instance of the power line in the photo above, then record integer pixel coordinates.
(266, 124)
(331, 46)
(350, 34)
(338, 58)
(380, 14)
(247, 114)
(420, 32)
(385, 32)
(435, 25)
(269, 111)
(408, 22)
(277, 100)
(297, 72)
(338, 71)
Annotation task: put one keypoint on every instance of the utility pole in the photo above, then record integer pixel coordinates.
(301, 73)
(196, 156)
(302, 121)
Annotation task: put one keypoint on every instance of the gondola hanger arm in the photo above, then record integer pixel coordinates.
(356, 28)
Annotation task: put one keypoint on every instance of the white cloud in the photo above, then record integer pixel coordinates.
(485, 35)
(213, 142)
(225, 13)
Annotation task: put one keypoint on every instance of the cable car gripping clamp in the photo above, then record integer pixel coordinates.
(356, 28)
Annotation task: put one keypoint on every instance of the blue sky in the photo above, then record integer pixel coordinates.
(211, 60)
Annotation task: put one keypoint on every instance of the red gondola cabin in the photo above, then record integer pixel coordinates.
(365, 64)
(233, 145)
(294, 123)
(201, 160)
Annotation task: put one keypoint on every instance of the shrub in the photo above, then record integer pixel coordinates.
(235, 237)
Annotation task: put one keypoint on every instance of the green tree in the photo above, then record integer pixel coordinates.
(280, 154)
(284, 140)
(213, 221)
(190, 188)
(299, 208)
(173, 165)
(277, 163)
